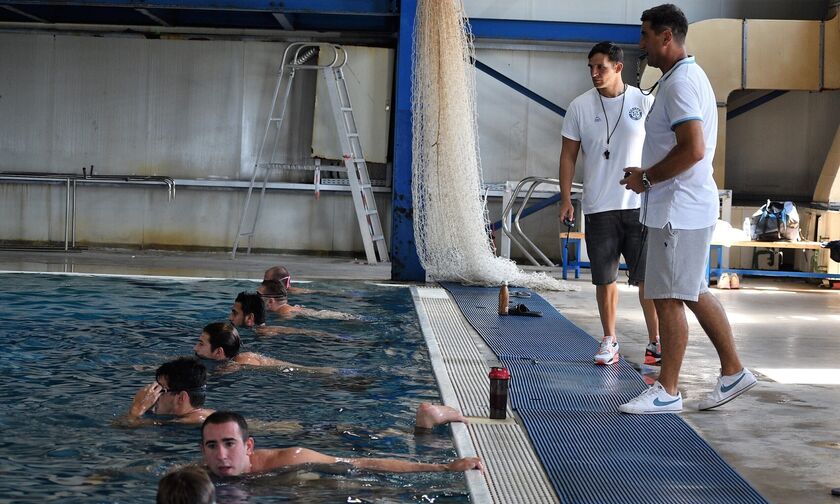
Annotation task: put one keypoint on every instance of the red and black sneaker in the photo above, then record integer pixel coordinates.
(653, 354)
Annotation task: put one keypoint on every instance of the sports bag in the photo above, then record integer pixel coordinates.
(775, 221)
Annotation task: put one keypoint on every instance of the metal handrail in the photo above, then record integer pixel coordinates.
(71, 179)
(511, 231)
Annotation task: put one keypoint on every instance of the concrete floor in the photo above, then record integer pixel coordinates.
(782, 437)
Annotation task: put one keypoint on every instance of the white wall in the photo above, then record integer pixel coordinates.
(184, 109)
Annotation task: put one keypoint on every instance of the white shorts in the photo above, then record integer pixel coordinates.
(676, 260)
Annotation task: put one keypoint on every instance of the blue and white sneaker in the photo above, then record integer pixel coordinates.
(653, 401)
(728, 388)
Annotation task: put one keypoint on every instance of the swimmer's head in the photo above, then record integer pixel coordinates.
(218, 341)
(279, 274)
(184, 384)
(248, 310)
(187, 485)
(273, 293)
(226, 446)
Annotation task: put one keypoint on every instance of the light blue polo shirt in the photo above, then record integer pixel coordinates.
(689, 200)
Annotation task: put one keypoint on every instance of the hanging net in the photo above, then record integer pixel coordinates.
(451, 226)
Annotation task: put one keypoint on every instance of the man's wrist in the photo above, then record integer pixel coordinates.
(646, 181)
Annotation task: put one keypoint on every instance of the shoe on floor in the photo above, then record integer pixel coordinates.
(734, 281)
(653, 354)
(724, 282)
(652, 401)
(607, 352)
(728, 388)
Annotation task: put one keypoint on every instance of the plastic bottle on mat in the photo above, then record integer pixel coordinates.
(499, 378)
(504, 298)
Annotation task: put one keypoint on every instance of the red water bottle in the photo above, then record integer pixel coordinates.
(499, 378)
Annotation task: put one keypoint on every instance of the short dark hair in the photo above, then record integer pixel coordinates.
(667, 16)
(224, 335)
(251, 303)
(186, 374)
(274, 289)
(614, 53)
(223, 417)
(188, 485)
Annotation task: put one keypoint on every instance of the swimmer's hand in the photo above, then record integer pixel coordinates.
(144, 399)
(465, 464)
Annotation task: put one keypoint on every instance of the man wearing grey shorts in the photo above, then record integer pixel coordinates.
(680, 208)
(606, 124)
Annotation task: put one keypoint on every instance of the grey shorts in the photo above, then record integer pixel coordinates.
(609, 235)
(680, 257)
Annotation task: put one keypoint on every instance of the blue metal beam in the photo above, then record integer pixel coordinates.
(553, 31)
(353, 7)
(405, 265)
(732, 114)
(545, 102)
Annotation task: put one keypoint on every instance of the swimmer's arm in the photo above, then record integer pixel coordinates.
(326, 314)
(255, 359)
(402, 466)
(143, 401)
(275, 330)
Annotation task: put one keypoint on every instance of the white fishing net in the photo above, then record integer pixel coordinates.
(450, 217)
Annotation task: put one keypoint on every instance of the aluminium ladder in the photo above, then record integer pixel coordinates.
(294, 58)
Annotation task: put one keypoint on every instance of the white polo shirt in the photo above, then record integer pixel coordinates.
(689, 200)
(586, 124)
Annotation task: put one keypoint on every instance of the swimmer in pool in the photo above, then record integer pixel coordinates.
(220, 341)
(228, 450)
(276, 300)
(282, 275)
(186, 485)
(179, 389)
(248, 311)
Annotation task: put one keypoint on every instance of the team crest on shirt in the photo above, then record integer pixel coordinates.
(635, 113)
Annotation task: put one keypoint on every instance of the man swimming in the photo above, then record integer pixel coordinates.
(220, 341)
(281, 274)
(228, 450)
(248, 311)
(179, 389)
(276, 299)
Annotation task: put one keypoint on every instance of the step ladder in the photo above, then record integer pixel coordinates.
(295, 58)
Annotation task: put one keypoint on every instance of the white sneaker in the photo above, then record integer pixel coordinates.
(728, 388)
(653, 401)
(607, 352)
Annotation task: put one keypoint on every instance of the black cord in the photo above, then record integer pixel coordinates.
(644, 234)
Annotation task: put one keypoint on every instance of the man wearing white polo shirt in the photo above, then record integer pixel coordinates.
(606, 124)
(680, 212)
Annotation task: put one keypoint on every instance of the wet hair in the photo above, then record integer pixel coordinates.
(189, 485)
(613, 52)
(223, 334)
(251, 303)
(274, 289)
(667, 16)
(276, 273)
(186, 374)
(223, 417)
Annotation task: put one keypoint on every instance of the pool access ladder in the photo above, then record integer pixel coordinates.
(296, 58)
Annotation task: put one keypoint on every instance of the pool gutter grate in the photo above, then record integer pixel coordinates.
(513, 473)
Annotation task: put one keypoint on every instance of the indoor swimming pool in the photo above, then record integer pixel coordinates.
(77, 349)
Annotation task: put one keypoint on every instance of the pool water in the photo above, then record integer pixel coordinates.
(77, 348)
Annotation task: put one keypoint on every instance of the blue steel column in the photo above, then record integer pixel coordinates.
(405, 265)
